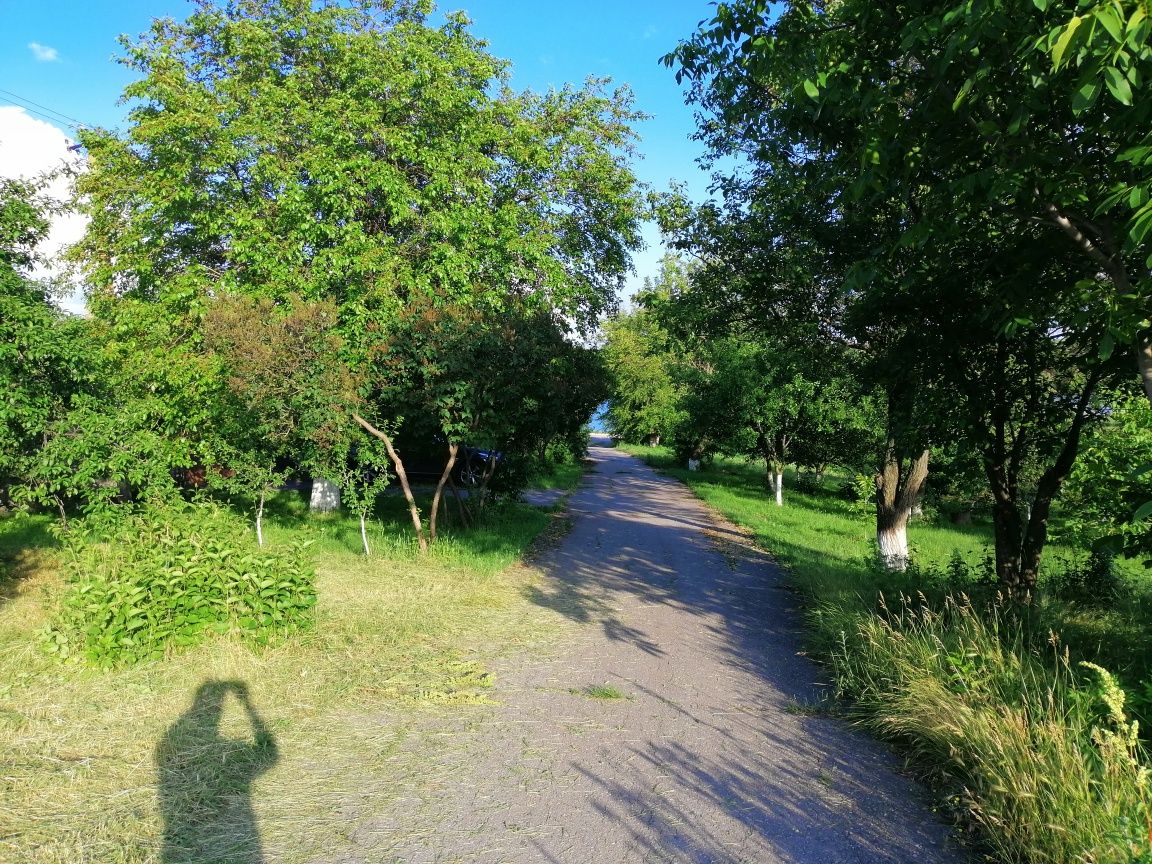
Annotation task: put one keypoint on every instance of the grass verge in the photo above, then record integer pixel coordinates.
(1034, 750)
(560, 475)
(226, 753)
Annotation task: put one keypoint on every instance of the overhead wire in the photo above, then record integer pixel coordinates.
(59, 117)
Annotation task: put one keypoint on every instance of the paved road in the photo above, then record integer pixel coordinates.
(705, 759)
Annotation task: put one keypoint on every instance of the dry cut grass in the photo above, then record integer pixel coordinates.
(225, 753)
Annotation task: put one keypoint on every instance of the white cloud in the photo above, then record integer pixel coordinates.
(43, 53)
(29, 148)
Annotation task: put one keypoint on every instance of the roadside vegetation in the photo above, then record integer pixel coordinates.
(330, 250)
(925, 273)
(342, 703)
(1035, 753)
(330, 238)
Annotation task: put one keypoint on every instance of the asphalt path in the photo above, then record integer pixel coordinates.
(673, 727)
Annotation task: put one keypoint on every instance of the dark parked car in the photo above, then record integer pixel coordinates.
(424, 462)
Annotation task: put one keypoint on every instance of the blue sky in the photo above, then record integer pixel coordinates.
(59, 54)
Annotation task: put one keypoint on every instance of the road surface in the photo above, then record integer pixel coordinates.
(671, 729)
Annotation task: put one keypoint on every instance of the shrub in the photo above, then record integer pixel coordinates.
(166, 577)
(807, 483)
(861, 492)
(1093, 582)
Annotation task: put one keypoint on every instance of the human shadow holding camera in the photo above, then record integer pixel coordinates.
(205, 781)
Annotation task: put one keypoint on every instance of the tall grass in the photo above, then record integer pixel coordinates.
(129, 765)
(1043, 760)
(1031, 744)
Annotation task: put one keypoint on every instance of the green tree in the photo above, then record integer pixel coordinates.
(43, 360)
(288, 392)
(1111, 481)
(645, 404)
(943, 228)
(1027, 114)
(354, 154)
(151, 411)
(512, 381)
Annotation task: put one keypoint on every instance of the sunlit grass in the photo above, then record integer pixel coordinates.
(1033, 749)
(397, 635)
(562, 475)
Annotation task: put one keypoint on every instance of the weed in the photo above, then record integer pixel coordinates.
(600, 691)
(165, 577)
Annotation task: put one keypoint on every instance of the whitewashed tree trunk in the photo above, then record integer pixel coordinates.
(364, 535)
(260, 520)
(893, 545)
(779, 489)
(325, 496)
(898, 485)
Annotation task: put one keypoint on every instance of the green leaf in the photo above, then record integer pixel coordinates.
(1118, 85)
(963, 94)
(1107, 344)
(811, 89)
(1085, 96)
(1110, 20)
(1042, 5)
(1136, 30)
(1065, 40)
(1143, 512)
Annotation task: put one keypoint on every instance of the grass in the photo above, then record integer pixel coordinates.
(153, 763)
(1030, 747)
(560, 475)
(601, 691)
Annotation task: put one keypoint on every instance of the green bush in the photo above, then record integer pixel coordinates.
(166, 577)
(1094, 582)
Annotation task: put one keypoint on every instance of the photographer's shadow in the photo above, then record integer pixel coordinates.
(205, 781)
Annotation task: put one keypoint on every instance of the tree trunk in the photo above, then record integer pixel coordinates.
(1144, 363)
(260, 520)
(453, 449)
(1020, 541)
(898, 485)
(892, 543)
(779, 487)
(700, 449)
(413, 510)
(364, 533)
(460, 508)
(325, 496)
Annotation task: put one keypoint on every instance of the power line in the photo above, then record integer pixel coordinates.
(72, 121)
(34, 111)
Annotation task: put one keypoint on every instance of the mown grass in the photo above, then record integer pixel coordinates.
(94, 766)
(1032, 749)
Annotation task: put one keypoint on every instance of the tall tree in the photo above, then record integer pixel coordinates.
(353, 153)
(951, 169)
(1027, 113)
(43, 359)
